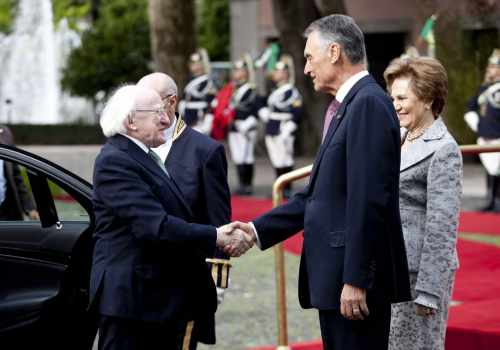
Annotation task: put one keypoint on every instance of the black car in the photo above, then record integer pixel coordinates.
(45, 263)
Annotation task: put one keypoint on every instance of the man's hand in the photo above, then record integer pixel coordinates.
(233, 240)
(425, 311)
(353, 303)
(248, 232)
(33, 215)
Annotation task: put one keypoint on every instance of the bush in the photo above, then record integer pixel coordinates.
(61, 134)
(7, 13)
(114, 51)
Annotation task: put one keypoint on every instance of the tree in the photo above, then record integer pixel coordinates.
(116, 50)
(7, 11)
(462, 53)
(173, 38)
(291, 19)
(214, 29)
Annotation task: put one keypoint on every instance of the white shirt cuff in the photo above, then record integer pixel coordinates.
(257, 240)
(428, 300)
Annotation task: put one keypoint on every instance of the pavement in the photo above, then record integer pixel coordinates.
(80, 159)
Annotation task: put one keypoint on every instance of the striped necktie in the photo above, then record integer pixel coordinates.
(158, 161)
(330, 112)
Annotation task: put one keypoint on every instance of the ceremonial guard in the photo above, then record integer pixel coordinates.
(281, 117)
(483, 117)
(243, 129)
(198, 94)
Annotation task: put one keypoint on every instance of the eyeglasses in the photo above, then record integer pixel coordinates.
(158, 111)
(167, 99)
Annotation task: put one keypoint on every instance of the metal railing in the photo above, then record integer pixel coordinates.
(278, 188)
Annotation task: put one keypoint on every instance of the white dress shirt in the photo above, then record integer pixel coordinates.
(163, 150)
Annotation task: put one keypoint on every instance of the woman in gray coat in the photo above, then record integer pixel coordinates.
(430, 193)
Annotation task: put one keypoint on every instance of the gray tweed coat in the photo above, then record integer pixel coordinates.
(429, 199)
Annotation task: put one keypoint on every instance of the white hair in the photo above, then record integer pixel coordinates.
(119, 106)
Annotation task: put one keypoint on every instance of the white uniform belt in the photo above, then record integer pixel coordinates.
(196, 104)
(280, 116)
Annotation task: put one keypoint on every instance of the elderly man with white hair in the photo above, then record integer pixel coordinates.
(148, 276)
(198, 165)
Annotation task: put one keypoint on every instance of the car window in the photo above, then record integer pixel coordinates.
(19, 203)
(16, 196)
(68, 208)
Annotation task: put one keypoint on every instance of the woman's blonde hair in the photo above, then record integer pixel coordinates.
(428, 79)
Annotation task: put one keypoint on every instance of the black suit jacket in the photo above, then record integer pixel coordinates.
(350, 209)
(199, 167)
(148, 263)
(18, 200)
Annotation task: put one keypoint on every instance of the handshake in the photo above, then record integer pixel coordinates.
(235, 238)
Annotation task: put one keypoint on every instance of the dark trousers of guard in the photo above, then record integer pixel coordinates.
(493, 183)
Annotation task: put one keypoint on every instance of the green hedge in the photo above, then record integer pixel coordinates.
(61, 134)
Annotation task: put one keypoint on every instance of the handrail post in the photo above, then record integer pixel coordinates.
(279, 261)
(279, 257)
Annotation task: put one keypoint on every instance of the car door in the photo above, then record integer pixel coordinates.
(45, 263)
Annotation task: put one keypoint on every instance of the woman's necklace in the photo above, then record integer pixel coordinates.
(415, 134)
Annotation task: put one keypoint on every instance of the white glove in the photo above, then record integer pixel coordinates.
(264, 113)
(288, 127)
(220, 295)
(245, 125)
(472, 120)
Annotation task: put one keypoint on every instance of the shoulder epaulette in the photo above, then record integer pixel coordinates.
(180, 126)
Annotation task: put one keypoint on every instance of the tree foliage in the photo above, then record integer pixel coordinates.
(464, 54)
(114, 51)
(72, 10)
(7, 11)
(214, 28)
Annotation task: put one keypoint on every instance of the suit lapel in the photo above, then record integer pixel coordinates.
(146, 161)
(424, 146)
(334, 125)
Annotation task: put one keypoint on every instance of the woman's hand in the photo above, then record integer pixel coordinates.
(425, 311)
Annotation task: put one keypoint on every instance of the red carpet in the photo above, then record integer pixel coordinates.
(473, 324)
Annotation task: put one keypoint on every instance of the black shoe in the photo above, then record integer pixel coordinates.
(493, 207)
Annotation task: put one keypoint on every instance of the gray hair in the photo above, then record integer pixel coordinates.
(342, 30)
(119, 106)
(162, 83)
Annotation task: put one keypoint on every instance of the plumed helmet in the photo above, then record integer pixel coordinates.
(286, 63)
(201, 55)
(246, 62)
(495, 57)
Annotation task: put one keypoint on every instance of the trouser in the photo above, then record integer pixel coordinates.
(339, 333)
(245, 174)
(281, 171)
(493, 183)
(117, 333)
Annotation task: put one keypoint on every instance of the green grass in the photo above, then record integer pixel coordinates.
(247, 316)
(482, 238)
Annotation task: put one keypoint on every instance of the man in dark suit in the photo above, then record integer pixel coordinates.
(149, 276)
(15, 199)
(353, 261)
(198, 165)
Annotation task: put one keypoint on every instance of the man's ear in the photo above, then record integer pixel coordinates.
(129, 123)
(333, 52)
(173, 100)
